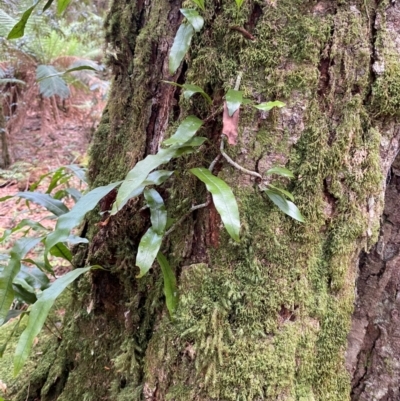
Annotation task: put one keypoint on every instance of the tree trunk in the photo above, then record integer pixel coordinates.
(5, 158)
(373, 355)
(266, 318)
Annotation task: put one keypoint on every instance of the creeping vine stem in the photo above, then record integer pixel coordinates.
(234, 164)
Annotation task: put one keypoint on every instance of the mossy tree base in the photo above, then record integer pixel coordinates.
(267, 318)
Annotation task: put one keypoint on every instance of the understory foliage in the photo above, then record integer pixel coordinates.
(33, 287)
(42, 59)
(53, 48)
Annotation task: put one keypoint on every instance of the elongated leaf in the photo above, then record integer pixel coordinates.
(60, 194)
(74, 193)
(38, 315)
(284, 172)
(69, 220)
(170, 291)
(40, 265)
(281, 191)
(158, 177)
(23, 283)
(81, 62)
(239, 3)
(134, 180)
(158, 213)
(24, 291)
(52, 205)
(79, 68)
(148, 249)
(62, 5)
(196, 141)
(199, 3)
(22, 224)
(4, 198)
(74, 240)
(180, 46)
(234, 99)
(79, 171)
(36, 184)
(285, 206)
(194, 18)
(61, 251)
(58, 177)
(50, 82)
(154, 178)
(189, 90)
(269, 105)
(7, 276)
(19, 28)
(173, 83)
(223, 199)
(185, 131)
(12, 314)
(247, 102)
(47, 5)
(34, 277)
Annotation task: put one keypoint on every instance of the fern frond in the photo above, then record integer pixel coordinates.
(6, 23)
(50, 82)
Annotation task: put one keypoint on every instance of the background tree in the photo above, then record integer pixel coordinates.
(266, 318)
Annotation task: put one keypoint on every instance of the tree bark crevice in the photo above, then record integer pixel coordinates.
(374, 337)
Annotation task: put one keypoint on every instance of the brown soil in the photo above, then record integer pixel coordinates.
(52, 135)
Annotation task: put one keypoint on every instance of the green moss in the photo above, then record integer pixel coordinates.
(386, 91)
(120, 139)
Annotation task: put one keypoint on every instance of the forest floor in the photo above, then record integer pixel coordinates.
(47, 141)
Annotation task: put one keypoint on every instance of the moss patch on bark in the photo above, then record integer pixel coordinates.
(268, 319)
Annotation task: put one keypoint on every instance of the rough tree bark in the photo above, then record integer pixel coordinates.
(268, 318)
(5, 159)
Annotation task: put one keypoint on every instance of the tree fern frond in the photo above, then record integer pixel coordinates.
(50, 82)
(6, 23)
